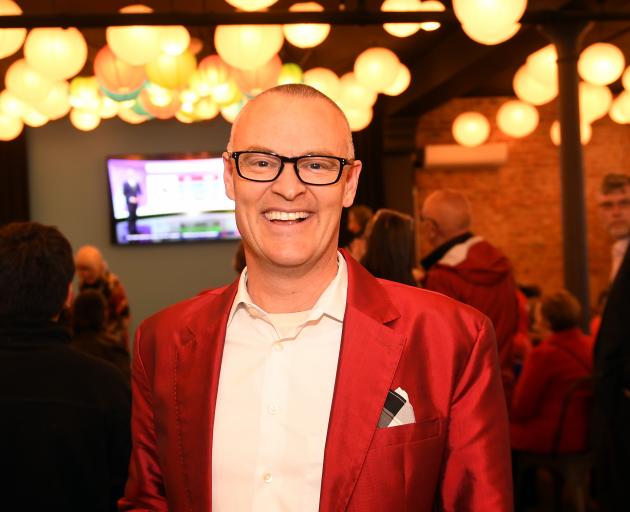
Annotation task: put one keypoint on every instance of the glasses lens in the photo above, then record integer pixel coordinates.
(318, 170)
(258, 166)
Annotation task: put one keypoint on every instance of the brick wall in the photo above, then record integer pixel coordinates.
(518, 206)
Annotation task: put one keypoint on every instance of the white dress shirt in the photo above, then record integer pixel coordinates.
(617, 252)
(275, 392)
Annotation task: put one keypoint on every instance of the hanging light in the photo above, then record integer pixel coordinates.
(401, 29)
(174, 40)
(33, 118)
(253, 82)
(625, 79)
(530, 90)
(595, 101)
(206, 109)
(543, 65)
(138, 44)
(10, 127)
(230, 112)
(211, 72)
(251, 5)
(84, 120)
(195, 46)
(11, 39)
(172, 72)
(131, 117)
(517, 118)
(248, 46)
(601, 63)
(353, 94)
(185, 117)
(290, 74)
(324, 80)
(306, 35)
(401, 81)
(585, 133)
(109, 108)
(56, 104)
(26, 83)
(159, 109)
(471, 129)
(11, 105)
(226, 93)
(619, 110)
(56, 53)
(376, 68)
(431, 6)
(358, 118)
(489, 21)
(84, 94)
(491, 34)
(115, 75)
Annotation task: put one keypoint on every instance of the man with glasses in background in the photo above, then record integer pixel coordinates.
(308, 384)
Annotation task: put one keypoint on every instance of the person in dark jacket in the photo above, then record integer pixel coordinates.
(64, 426)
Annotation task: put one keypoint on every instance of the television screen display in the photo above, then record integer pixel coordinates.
(169, 198)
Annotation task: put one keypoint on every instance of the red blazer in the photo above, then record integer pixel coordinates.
(548, 374)
(455, 457)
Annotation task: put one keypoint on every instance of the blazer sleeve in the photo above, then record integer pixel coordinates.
(477, 472)
(145, 489)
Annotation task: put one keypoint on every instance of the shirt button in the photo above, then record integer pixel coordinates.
(267, 478)
(272, 409)
(278, 347)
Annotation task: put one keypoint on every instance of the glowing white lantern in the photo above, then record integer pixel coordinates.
(376, 68)
(174, 40)
(84, 120)
(131, 117)
(353, 94)
(358, 118)
(10, 127)
(471, 129)
(401, 81)
(26, 83)
(109, 108)
(85, 93)
(33, 118)
(290, 73)
(619, 110)
(248, 46)
(595, 101)
(543, 65)
(431, 6)
(585, 133)
(401, 29)
(56, 53)
(251, 5)
(517, 118)
(324, 80)
(601, 63)
(172, 71)
(11, 105)
(11, 39)
(230, 112)
(530, 90)
(489, 21)
(206, 109)
(137, 44)
(306, 35)
(57, 103)
(490, 34)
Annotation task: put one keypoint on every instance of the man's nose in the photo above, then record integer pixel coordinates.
(288, 185)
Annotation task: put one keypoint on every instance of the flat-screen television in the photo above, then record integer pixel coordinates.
(169, 198)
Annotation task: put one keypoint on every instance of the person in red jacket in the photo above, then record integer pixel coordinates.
(468, 268)
(550, 371)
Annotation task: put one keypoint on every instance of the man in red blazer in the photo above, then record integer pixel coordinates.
(308, 384)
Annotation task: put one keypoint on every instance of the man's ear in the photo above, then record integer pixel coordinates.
(228, 176)
(351, 184)
(69, 296)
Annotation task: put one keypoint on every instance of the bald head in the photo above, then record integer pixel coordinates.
(89, 264)
(448, 211)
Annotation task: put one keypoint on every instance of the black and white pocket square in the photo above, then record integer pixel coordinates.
(397, 410)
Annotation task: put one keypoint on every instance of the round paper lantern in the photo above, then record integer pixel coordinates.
(205, 109)
(585, 133)
(358, 118)
(172, 72)
(84, 120)
(157, 95)
(401, 29)
(324, 80)
(11, 105)
(376, 68)
(109, 108)
(401, 81)
(595, 101)
(137, 44)
(226, 93)
(530, 90)
(543, 65)
(159, 109)
(619, 110)
(117, 76)
(482, 12)
(84, 93)
(57, 103)
(490, 34)
(431, 6)
(26, 83)
(230, 112)
(184, 117)
(471, 129)
(211, 72)
(130, 96)
(625, 79)
(129, 116)
(248, 46)
(290, 74)
(601, 63)
(353, 94)
(517, 118)
(252, 82)
(10, 127)
(11, 39)
(33, 118)
(306, 35)
(174, 40)
(251, 5)
(56, 53)
(188, 96)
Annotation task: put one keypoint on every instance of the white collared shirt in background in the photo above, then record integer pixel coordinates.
(617, 253)
(275, 392)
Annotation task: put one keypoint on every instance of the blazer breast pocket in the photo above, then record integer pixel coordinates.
(405, 434)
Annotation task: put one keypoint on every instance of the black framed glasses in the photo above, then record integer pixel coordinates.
(310, 169)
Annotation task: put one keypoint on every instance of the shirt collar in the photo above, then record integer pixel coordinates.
(331, 302)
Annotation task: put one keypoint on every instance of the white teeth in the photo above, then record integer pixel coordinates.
(273, 215)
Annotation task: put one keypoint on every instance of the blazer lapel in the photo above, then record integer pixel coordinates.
(196, 381)
(368, 359)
